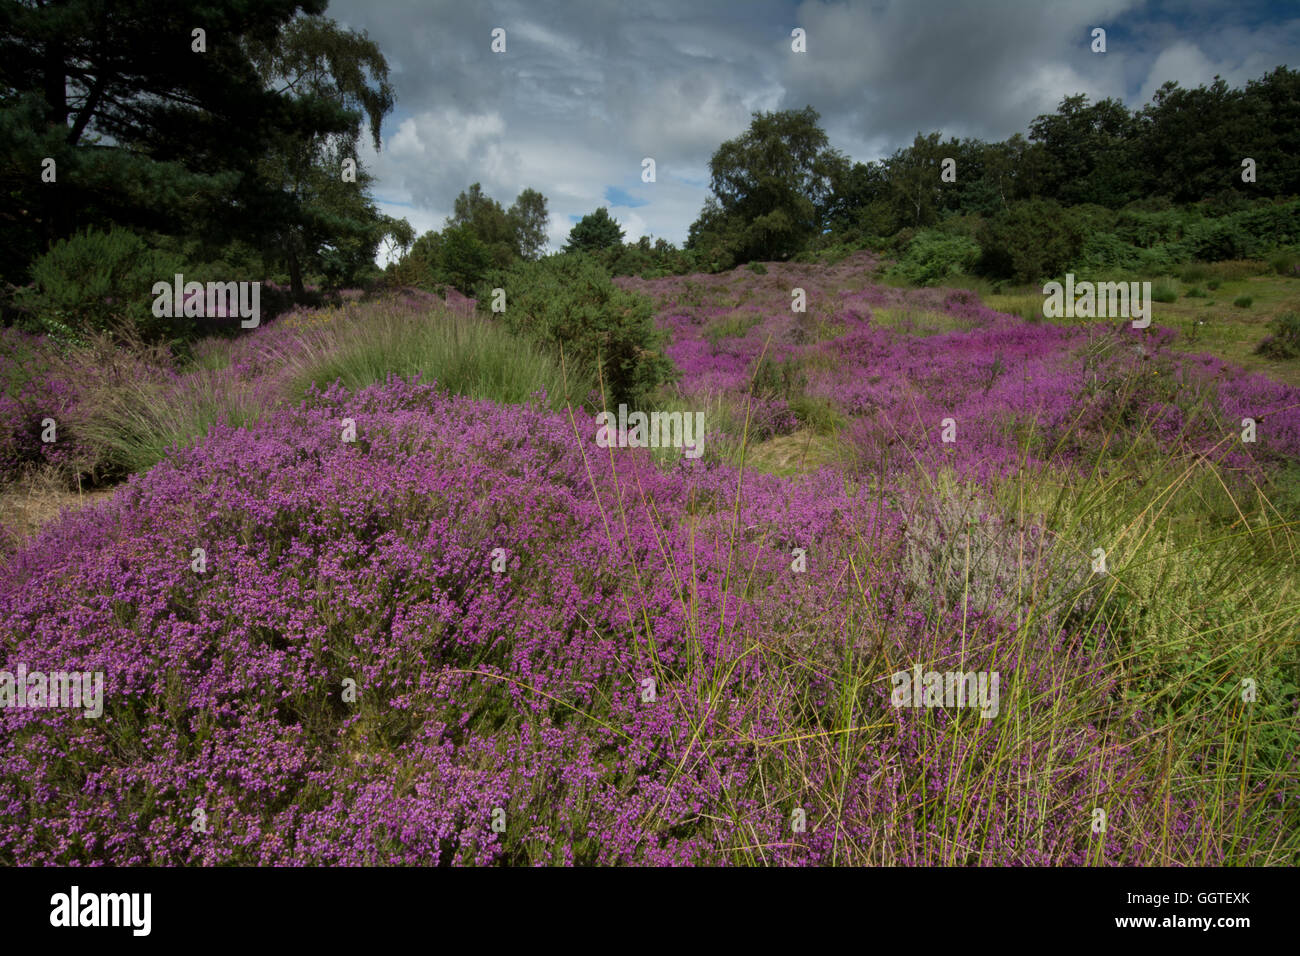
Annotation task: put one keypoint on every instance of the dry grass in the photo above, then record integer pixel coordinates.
(801, 451)
(28, 504)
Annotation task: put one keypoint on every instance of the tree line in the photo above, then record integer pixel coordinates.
(780, 187)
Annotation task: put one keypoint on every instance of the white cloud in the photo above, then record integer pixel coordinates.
(586, 90)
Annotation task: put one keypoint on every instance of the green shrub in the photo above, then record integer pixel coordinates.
(758, 268)
(783, 379)
(733, 326)
(1284, 342)
(933, 257)
(1213, 240)
(818, 414)
(1196, 292)
(1146, 228)
(569, 303)
(1105, 252)
(1213, 284)
(1243, 302)
(100, 282)
(648, 261)
(1029, 241)
(1164, 292)
(1285, 264)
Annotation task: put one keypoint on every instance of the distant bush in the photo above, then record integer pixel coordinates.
(568, 302)
(1213, 240)
(1107, 252)
(1196, 292)
(1029, 241)
(100, 282)
(1286, 264)
(594, 232)
(1284, 340)
(1243, 302)
(757, 268)
(1164, 292)
(933, 257)
(649, 261)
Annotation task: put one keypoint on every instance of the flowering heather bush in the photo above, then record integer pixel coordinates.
(523, 690)
(35, 384)
(1018, 393)
(617, 653)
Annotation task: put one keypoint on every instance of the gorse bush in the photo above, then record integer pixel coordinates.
(569, 303)
(101, 282)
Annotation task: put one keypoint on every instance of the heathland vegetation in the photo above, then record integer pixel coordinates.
(365, 588)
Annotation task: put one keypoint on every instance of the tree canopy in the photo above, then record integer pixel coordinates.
(594, 231)
(217, 122)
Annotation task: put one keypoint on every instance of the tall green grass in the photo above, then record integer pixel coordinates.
(466, 355)
(128, 422)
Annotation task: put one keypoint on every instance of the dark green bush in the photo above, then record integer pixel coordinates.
(1243, 302)
(568, 302)
(1029, 241)
(649, 261)
(1285, 263)
(100, 282)
(1164, 292)
(1105, 252)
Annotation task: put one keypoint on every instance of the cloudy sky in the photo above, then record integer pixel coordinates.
(587, 88)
